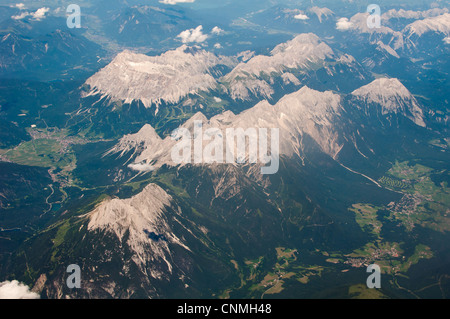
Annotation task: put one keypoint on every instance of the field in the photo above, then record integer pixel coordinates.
(40, 152)
(425, 202)
(366, 217)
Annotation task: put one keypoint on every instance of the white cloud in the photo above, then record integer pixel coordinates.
(217, 31)
(20, 6)
(447, 40)
(218, 46)
(344, 24)
(21, 16)
(172, 2)
(142, 167)
(38, 15)
(301, 16)
(193, 35)
(16, 290)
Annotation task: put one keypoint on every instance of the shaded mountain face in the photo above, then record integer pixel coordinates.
(53, 55)
(393, 98)
(148, 233)
(175, 241)
(411, 40)
(88, 175)
(11, 134)
(23, 194)
(147, 25)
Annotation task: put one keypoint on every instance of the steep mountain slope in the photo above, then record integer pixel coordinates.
(55, 55)
(152, 80)
(185, 241)
(24, 195)
(425, 38)
(175, 76)
(440, 24)
(427, 30)
(146, 25)
(304, 54)
(321, 116)
(362, 175)
(393, 97)
(306, 112)
(141, 219)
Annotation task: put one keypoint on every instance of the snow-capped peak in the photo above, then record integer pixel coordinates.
(304, 49)
(299, 53)
(393, 96)
(439, 23)
(155, 79)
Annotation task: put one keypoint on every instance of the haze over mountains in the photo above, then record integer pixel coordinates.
(89, 120)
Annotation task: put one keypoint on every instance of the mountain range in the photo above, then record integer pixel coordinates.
(90, 119)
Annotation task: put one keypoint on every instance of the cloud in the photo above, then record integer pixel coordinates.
(21, 16)
(142, 167)
(16, 290)
(217, 31)
(172, 2)
(218, 46)
(301, 16)
(344, 24)
(193, 35)
(20, 6)
(447, 40)
(38, 15)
